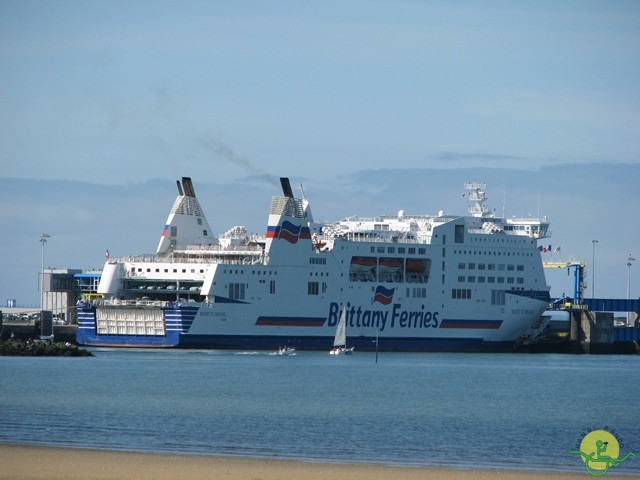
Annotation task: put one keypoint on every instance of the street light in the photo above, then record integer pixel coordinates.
(629, 260)
(593, 269)
(43, 240)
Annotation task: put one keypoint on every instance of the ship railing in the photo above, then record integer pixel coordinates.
(232, 255)
(513, 233)
(371, 236)
(116, 302)
(221, 249)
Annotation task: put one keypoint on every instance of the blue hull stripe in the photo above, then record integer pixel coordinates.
(361, 344)
(471, 324)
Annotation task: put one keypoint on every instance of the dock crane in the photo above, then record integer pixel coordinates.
(579, 284)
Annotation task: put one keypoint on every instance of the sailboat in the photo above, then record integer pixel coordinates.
(340, 340)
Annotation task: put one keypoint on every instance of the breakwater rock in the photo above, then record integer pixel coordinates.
(37, 348)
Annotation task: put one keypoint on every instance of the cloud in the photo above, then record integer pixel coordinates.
(455, 157)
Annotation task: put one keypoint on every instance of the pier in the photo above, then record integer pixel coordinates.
(592, 327)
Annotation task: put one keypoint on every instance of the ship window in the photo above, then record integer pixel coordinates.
(204, 233)
(491, 279)
(412, 251)
(462, 266)
(313, 288)
(461, 279)
(480, 279)
(510, 280)
(481, 266)
(497, 297)
(472, 266)
(199, 221)
(236, 291)
(422, 251)
(174, 231)
(463, 293)
(401, 250)
(272, 287)
(459, 234)
(419, 292)
(521, 268)
(520, 280)
(471, 279)
(500, 279)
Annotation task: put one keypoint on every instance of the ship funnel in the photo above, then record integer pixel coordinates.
(186, 225)
(188, 187)
(286, 187)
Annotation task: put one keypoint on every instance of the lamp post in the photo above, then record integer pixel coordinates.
(43, 240)
(629, 260)
(593, 269)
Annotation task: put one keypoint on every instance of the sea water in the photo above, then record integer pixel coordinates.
(513, 411)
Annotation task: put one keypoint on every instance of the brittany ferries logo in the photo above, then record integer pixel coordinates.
(289, 232)
(383, 295)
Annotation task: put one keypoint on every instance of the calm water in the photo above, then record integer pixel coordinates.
(464, 410)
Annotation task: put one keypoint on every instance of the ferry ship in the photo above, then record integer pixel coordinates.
(408, 282)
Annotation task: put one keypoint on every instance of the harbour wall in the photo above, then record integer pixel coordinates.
(61, 333)
(594, 332)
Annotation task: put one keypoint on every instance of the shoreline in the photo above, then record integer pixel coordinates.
(30, 462)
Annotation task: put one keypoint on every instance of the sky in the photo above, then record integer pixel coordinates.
(373, 105)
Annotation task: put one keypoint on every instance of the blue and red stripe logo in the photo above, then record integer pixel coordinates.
(289, 232)
(383, 295)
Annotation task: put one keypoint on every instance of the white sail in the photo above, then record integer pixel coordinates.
(340, 339)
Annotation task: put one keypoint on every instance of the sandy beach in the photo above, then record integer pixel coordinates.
(50, 463)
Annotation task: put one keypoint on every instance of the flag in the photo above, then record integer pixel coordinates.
(557, 249)
(540, 248)
(107, 254)
(549, 249)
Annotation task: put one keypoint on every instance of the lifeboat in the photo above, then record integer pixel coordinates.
(362, 264)
(389, 265)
